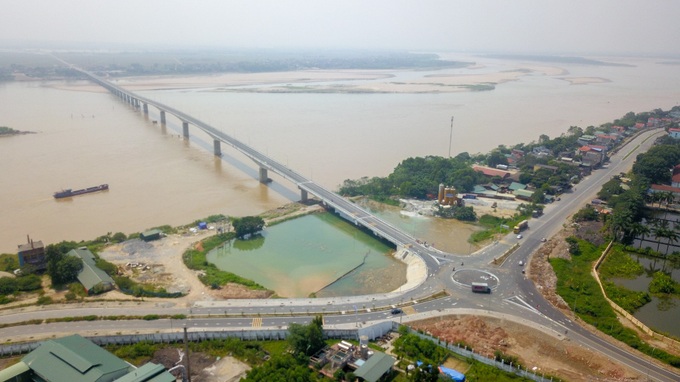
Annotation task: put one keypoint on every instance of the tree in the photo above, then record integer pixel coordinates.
(62, 268)
(425, 373)
(496, 158)
(306, 339)
(247, 225)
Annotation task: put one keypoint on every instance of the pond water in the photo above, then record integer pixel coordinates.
(308, 254)
(448, 235)
(659, 314)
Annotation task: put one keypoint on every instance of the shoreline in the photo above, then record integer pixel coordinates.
(354, 81)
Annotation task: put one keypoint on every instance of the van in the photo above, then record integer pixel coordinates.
(481, 288)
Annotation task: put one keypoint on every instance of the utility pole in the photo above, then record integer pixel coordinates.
(186, 354)
(450, 137)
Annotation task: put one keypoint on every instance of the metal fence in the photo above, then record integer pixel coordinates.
(244, 335)
(371, 331)
(469, 353)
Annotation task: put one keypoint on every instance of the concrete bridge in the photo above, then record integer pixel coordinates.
(343, 207)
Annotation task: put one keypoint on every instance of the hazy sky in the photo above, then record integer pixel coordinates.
(523, 26)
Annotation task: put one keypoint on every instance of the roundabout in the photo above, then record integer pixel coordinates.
(465, 278)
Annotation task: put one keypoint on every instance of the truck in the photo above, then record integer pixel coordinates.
(481, 288)
(521, 226)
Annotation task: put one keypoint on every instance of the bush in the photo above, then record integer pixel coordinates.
(44, 300)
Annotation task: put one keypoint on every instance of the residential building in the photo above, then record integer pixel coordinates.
(586, 139)
(674, 133)
(675, 180)
(32, 253)
(654, 188)
(94, 279)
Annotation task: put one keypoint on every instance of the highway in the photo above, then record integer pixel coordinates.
(514, 296)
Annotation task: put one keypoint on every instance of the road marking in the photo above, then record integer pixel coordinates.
(521, 303)
(257, 322)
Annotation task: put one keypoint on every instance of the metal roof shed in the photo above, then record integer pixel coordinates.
(91, 276)
(148, 372)
(375, 367)
(75, 359)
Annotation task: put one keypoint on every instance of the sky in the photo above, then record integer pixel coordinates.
(649, 27)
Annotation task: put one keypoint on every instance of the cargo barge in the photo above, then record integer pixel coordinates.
(69, 192)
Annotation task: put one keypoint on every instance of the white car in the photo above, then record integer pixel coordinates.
(519, 236)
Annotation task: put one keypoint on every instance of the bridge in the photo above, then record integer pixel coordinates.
(340, 205)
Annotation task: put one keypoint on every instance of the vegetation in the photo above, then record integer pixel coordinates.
(579, 289)
(61, 267)
(306, 339)
(9, 262)
(412, 347)
(196, 259)
(26, 283)
(247, 225)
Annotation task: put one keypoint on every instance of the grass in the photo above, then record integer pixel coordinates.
(213, 276)
(580, 290)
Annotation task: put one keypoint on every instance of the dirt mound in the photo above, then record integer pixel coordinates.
(531, 347)
(170, 357)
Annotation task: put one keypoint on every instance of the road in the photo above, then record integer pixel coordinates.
(513, 295)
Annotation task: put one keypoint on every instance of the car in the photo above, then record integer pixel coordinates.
(519, 236)
(521, 263)
(397, 311)
(543, 240)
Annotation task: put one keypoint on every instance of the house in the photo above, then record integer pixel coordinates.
(77, 359)
(32, 253)
(375, 367)
(674, 133)
(606, 140)
(675, 180)
(586, 139)
(653, 122)
(541, 152)
(639, 125)
(619, 129)
(92, 277)
(654, 188)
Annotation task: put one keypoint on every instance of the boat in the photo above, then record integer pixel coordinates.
(67, 193)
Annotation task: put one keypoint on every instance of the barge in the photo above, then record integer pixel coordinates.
(67, 193)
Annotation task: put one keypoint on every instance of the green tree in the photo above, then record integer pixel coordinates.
(247, 225)
(306, 339)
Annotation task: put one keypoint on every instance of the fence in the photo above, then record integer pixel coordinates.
(469, 353)
(198, 336)
(622, 311)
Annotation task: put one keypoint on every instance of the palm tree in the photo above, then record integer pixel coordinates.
(661, 230)
(640, 229)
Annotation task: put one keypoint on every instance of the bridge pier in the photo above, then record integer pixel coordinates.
(185, 129)
(163, 117)
(146, 108)
(303, 195)
(217, 148)
(263, 176)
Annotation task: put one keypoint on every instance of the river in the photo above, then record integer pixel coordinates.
(86, 138)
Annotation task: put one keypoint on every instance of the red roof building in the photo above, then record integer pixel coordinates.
(488, 171)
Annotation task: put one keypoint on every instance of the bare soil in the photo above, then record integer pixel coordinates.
(204, 368)
(533, 348)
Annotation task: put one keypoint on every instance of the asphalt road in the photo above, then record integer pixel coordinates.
(513, 295)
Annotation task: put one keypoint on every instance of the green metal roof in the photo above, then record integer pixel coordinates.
(14, 373)
(375, 367)
(525, 193)
(75, 359)
(90, 276)
(149, 372)
(517, 186)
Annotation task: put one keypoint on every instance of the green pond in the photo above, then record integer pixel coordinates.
(318, 253)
